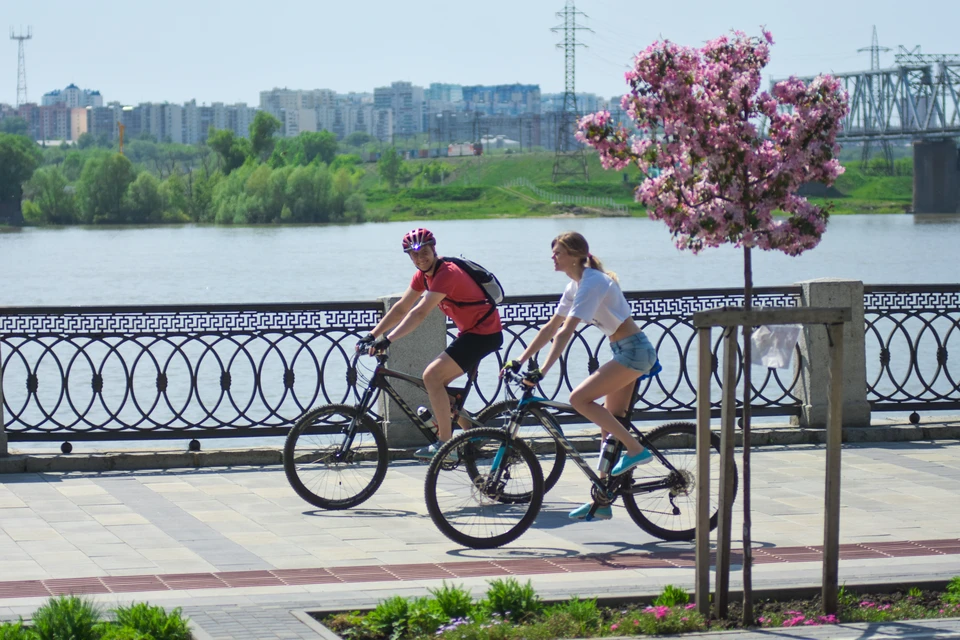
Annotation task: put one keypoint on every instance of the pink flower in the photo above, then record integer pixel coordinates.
(883, 607)
(792, 622)
(829, 619)
(690, 606)
(713, 177)
(866, 604)
(614, 627)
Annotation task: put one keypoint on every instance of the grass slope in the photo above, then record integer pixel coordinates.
(473, 189)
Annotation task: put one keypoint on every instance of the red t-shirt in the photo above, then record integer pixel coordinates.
(456, 284)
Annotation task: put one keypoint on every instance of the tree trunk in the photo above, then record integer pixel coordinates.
(748, 618)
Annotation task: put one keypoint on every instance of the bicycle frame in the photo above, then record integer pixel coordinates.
(609, 485)
(380, 380)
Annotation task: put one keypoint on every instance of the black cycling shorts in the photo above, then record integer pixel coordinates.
(468, 349)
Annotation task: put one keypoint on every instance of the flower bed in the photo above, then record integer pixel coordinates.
(511, 610)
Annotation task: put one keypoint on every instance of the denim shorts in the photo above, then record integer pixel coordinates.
(634, 352)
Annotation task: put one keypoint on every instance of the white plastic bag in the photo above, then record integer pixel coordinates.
(773, 345)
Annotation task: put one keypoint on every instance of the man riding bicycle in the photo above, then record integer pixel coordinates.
(440, 283)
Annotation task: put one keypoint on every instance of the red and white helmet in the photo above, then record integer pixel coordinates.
(417, 238)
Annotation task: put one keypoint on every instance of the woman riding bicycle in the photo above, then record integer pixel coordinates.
(593, 296)
(460, 298)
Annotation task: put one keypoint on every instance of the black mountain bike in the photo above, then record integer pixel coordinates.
(485, 487)
(336, 456)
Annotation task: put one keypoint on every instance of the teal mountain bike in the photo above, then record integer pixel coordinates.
(484, 488)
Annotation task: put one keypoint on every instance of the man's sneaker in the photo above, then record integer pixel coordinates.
(627, 462)
(602, 513)
(427, 453)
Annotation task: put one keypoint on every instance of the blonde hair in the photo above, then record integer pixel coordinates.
(576, 245)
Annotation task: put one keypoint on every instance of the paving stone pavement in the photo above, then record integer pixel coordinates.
(214, 540)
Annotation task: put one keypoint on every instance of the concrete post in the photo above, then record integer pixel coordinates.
(411, 354)
(814, 360)
(936, 176)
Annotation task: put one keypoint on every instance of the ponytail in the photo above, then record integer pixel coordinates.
(594, 263)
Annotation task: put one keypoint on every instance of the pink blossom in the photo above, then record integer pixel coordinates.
(883, 607)
(614, 627)
(867, 604)
(718, 178)
(829, 619)
(690, 606)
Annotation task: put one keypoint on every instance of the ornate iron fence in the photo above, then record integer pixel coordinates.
(111, 373)
(909, 332)
(666, 318)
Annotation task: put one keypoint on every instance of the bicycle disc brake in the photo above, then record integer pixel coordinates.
(682, 485)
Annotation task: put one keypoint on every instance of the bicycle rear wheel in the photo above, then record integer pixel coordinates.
(317, 469)
(671, 514)
(468, 506)
(551, 456)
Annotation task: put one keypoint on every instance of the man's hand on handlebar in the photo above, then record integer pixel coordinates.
(363, 344)
(380, 345)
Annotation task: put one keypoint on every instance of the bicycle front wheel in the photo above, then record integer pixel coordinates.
(322, 469)
(552, 457)
(467, 481)
(671, 513)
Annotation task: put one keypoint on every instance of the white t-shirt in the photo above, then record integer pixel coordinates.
(597, 300)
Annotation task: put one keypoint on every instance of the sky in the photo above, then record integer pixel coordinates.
(136, 51)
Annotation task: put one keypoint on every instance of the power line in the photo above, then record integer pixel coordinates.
(570, 160)
(876, 104)
(21, 64)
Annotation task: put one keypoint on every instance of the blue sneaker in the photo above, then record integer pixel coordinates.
(602, 512)
(427, 453)
(627, 462)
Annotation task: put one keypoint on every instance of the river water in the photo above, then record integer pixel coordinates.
(206, 264)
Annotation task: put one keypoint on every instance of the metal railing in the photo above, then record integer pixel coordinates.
(113, 373)
(909, 333)
(585, 201)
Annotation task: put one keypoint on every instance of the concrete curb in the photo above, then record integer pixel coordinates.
(167, 459)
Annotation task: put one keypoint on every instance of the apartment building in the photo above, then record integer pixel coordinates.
(502, 99)
(408, 105)
(73, 97)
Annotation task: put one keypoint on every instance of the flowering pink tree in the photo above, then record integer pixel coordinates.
(724, 162)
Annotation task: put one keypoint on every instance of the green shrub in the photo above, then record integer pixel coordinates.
(113, 632)
(581, 618)
(14, 631)
(512, 600)
(389, 619)
(953, 591)
(672, 596)
(424, 617)
(454, 601)
(154, 621)
(67, 617)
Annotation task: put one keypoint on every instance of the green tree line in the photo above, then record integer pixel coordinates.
(229, 180)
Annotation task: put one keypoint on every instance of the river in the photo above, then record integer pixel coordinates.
(208, 264)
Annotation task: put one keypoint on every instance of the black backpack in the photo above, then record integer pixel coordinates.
(488, 283)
